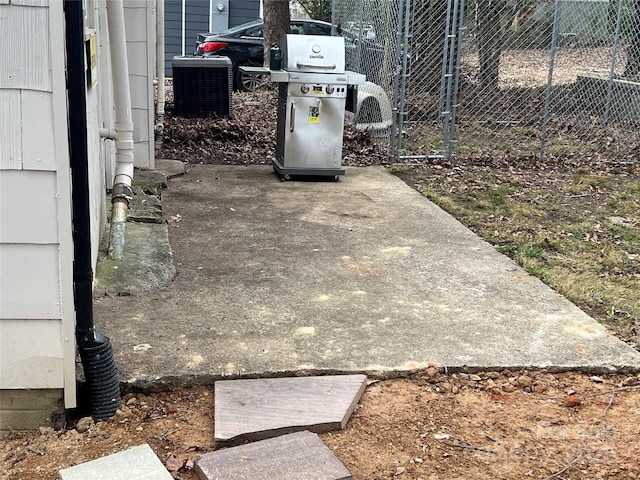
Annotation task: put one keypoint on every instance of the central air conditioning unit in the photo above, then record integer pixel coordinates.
(202, 86)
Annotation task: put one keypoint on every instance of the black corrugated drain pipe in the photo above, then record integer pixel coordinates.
(95, 349)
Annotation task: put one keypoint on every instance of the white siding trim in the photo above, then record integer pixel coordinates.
(211, 7)
(152, 34)
(10, 129)
(105, 89)
(184, 25)
(31, 3)
(65, 254)
(37, 134)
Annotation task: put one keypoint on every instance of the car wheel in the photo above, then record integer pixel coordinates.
(247, 82)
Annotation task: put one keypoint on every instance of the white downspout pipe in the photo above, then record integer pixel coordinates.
(121, 193)
(159, 128)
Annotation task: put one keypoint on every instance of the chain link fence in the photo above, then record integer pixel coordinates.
(503, 78)
(369, 28)
(594, 93)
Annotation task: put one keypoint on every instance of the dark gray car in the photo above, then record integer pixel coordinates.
(244, 46)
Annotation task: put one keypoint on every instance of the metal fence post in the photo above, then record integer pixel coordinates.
(451, 39)
(445, 98)
(456, 80)
(359, 48)
(400, 52)
(552, 59)
(612, 72)
(405, 76)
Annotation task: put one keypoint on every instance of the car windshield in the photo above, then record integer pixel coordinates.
(240, 28)
(254, 28)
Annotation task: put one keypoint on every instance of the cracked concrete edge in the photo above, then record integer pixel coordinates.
(153, 384)
(147, 264)
(170, 168)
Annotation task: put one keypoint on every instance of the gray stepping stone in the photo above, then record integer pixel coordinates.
(249, 410)
(296, 456)
(137, 463)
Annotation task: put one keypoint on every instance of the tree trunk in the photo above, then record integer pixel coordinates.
(632, 68)
(489, 41)
(276, 24)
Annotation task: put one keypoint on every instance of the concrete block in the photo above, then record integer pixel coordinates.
(29, 409)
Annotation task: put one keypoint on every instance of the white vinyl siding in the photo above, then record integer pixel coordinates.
(25, 130)
(28, 207)
(31, 3)
(37, 134)
(10, 130)
(29, 281)
(31, 354)
(37, 320)
(141, 33)
(24, 56)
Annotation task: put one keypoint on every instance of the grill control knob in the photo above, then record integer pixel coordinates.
(330, 89)
(304, 88)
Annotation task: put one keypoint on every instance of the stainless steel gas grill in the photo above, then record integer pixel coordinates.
(311, 105)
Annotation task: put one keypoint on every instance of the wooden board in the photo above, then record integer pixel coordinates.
(263, 408)
(297, 456)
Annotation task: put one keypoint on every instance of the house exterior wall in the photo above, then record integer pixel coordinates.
(172, 33)
(37, 314)
(196, 19)
(140, 26)
(106, 116)
(242, 11)
(37, 320)
(97, 190)
(184, 19)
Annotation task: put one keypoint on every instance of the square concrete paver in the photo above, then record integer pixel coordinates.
(267, 407)
(296, 456)
(137, 463)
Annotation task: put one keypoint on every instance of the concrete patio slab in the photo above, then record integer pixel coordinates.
(249, 410)
(364, 275)
(297, 456)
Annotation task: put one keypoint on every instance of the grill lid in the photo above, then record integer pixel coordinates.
(313, 53)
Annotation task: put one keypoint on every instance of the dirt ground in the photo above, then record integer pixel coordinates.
(488, 425)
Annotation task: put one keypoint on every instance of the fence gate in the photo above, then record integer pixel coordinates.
(410, 53)
(425, 94)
